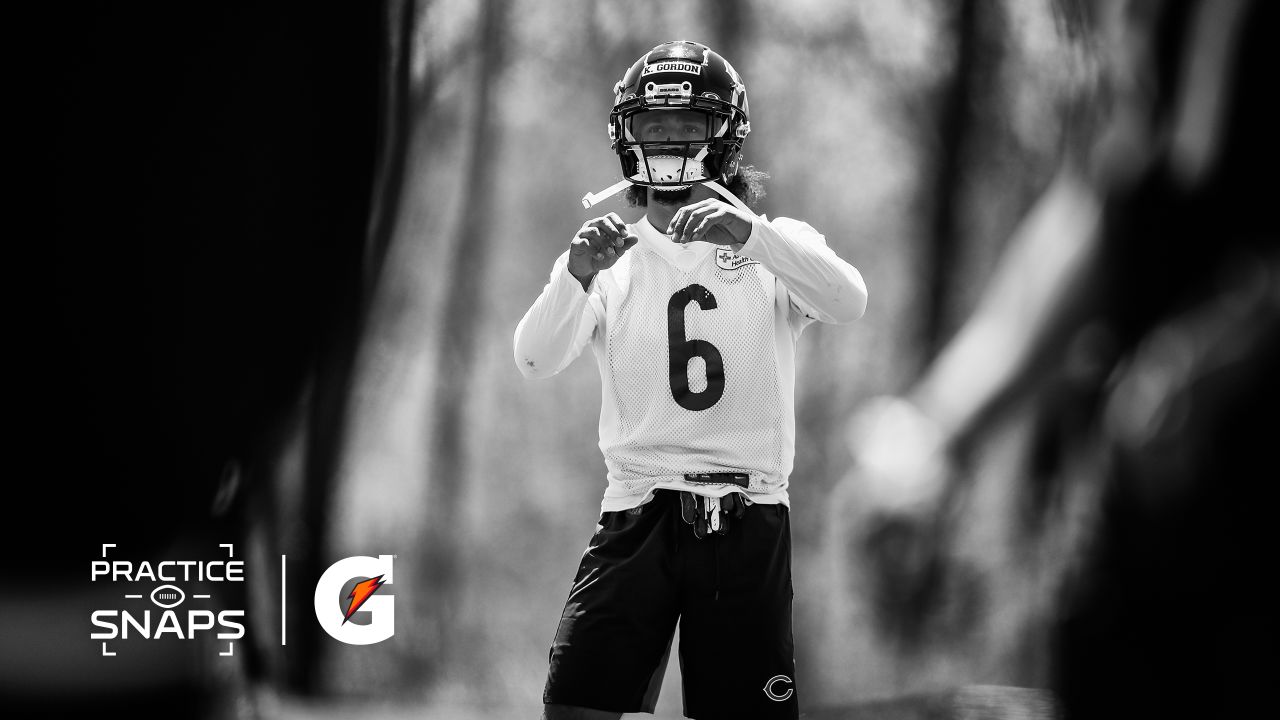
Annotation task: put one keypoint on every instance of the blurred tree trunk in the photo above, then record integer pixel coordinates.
(326, 411)
(729, 20)
(399, 104)
(462, 308)
(954, 126)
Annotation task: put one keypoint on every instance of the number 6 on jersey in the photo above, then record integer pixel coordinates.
(682, 351)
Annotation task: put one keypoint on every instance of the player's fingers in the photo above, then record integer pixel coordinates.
(609, 229)
(695, 218)
(675, 223)
(619, 226)
(599, 241)
(589, 251)
(599, 226)
(592, 233)
(622, 245)
(599, 253)
(697, 215)
(686, 218)
(606, 259)
(627, 238)
(680, 223)
(591, 242)
(707, 221)
(624, 238)
(597, 223)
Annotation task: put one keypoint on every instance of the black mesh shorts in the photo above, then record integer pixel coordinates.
(731, 594)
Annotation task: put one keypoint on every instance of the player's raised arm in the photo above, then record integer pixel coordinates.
(825, 287)
(822, 285)
(561, 321)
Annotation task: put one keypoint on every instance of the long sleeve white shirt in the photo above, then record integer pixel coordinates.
(675, 328)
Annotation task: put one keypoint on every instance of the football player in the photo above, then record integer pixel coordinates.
(693, 314)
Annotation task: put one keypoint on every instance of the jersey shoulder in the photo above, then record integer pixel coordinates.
(794, 228)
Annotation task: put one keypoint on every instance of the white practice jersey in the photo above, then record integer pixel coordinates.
(696, 350)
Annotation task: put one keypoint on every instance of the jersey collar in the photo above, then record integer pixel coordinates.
(682, 256)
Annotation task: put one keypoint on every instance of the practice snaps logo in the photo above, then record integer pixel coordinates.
(174, 612)
(337, 607)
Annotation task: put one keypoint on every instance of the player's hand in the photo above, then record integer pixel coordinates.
(598, 245)
(711, 220)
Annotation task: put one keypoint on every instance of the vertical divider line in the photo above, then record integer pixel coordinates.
(283, 613)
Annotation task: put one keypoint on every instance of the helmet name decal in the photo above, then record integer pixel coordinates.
(672, 66)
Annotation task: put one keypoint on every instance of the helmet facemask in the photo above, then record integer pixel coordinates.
(674, 162)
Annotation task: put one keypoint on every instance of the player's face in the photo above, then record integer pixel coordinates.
(670, 125)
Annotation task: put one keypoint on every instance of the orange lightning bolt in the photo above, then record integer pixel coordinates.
(361, 592)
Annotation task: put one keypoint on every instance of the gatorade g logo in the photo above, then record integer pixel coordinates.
(779, 688)
(334, 608)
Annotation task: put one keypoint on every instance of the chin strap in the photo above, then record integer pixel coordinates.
(733, 199)
(595, 198)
